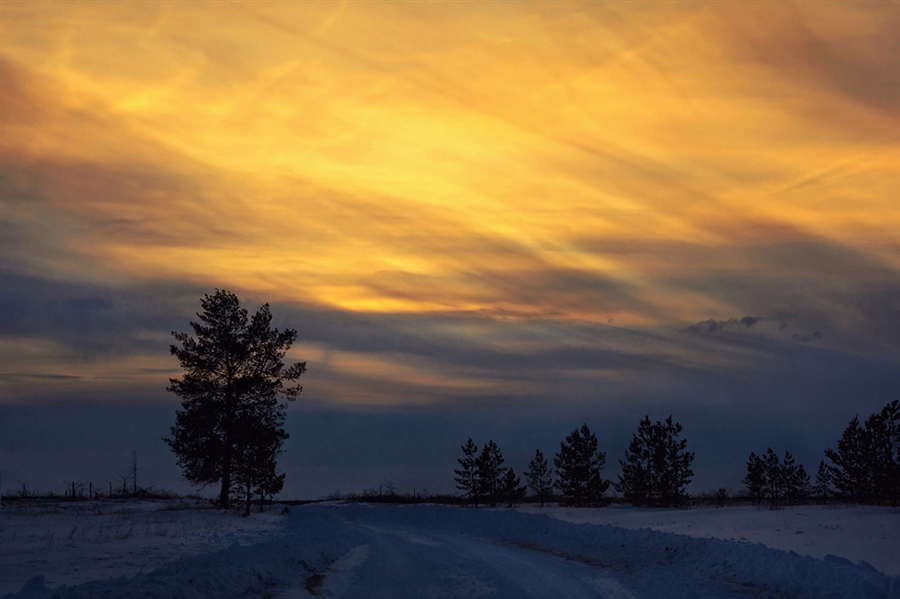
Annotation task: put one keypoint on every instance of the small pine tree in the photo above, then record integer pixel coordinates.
(489, 470)
(795, 480)
(756, 478)
(578, 466)
(639, 469)
(677, 473)
(774, 473)
(511, 489)
(255, 472)
(540, 477)
(467, 475)
(822, 488)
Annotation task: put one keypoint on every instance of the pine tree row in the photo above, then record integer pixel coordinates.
(656, 470)
(865, 467)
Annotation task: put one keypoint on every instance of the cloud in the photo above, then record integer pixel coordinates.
(500, 212)
(850, 52)
(715, 326)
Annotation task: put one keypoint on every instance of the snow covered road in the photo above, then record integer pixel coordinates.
(403, 562)
(354, 551)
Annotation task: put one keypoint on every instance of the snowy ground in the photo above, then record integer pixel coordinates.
(867, 533)
(166, 549)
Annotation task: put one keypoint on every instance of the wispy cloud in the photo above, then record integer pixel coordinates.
(527, 192)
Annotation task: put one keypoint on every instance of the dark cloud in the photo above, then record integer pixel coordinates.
(92, 320)
(715, 326)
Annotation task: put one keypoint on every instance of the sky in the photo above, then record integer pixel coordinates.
(492, 219)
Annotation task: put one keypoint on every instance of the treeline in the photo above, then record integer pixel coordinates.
(865, 467)
(655, 472)
(656, 469)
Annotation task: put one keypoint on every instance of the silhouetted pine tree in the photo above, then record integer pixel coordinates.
(255, 472)
(822, 488)
(774, 485)
(756, 478)
(540, 477)
(884, 431)
(511, 489)
(795, 480)
(467, 475)
(866, 465)
(578, 466)
(657, 466)
(234, 376)
(781, 482)
(851, 471)
(489, 470)
(678, 473)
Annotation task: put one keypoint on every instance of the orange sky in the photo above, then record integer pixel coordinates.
(569, 162)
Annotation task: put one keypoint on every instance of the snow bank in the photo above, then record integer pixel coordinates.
(857, 533)
(656, 564)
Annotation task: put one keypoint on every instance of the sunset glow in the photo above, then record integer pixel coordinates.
(453, 201)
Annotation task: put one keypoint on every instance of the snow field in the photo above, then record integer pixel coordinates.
(150, 549)
(78, 542)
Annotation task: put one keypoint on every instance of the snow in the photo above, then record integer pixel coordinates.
(856, 533)
(183, 549)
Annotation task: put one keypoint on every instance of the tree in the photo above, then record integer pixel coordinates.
(822, 488)
(133, 473)
(795, 480)
(540, 476)
(756, 477)
(657, 466)
(851, 473)
(511, 489)
(884, 435)
(677, 474)
(256, 470)
(774, 486)
(231, 426)
(467, 475)
(780, 481)
(866, 465)
(489, 470)
(578, 466)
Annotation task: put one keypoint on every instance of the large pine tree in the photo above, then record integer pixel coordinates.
(865, 468)
(578, 466)
(657, 466)
(230, 429)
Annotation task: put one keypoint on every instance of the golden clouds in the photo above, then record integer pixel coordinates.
(450, 157)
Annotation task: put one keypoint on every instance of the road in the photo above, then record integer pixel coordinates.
(401, 562)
